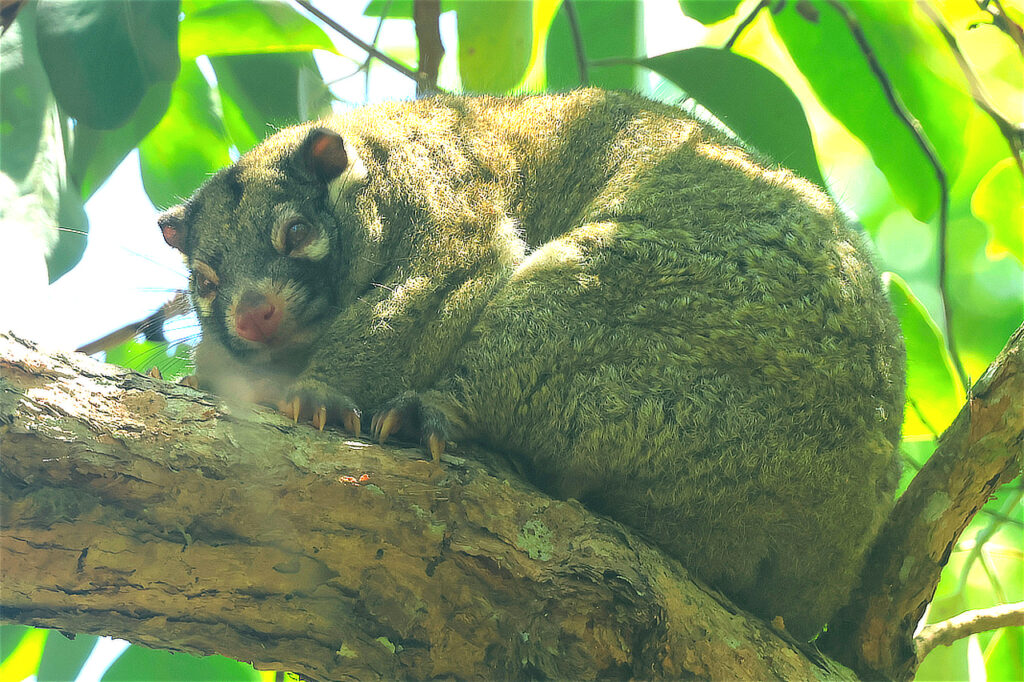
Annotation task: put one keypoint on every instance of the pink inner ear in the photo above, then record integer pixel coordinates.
(327, 153)
(172, 236)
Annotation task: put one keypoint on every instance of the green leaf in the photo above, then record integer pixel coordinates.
(495, 43)
(921, 69)
(709, 11)
(25, 94)
(610, 29)
(214, 27)
(933, 391)
(999, 202)
(187, 146)
(740, 92)
(261, 93)
(10, 637)
(138, 663)
(96, 153)
(72, 226)
(36, 197)
(63, 658)
(23, 661)
(399, 9)
(392, 9)
(143, 356)
(102, 56)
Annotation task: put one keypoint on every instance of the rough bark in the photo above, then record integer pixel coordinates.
(150, 511)
(980, 451)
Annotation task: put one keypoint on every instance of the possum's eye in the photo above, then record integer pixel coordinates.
(206, 281)
(297, 235)
(298, 238)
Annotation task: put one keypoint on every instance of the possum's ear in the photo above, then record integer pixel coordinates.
(323, 154)
(172, 225)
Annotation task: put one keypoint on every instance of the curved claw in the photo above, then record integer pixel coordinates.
(291, 408)
(436, 445)
(350, 419)
(385, 424)
(320, 418)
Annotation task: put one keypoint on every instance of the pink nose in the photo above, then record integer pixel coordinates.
(257, 320)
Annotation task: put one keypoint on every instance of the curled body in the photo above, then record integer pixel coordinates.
(651, 318)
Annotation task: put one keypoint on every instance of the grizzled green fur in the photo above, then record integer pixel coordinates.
(651, 318)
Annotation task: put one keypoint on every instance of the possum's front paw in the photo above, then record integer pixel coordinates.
(429, 415)
(315, 400)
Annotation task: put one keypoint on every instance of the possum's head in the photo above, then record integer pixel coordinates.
(266, 242)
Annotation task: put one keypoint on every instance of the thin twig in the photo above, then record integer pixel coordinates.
(901, 111)
(966, 624)
(369, 57)
(742, 26)
(363, 45)
(985, 534)
(615, 61)
(1001, 21)
(924, 420)
(577, 39)
(1013, 132)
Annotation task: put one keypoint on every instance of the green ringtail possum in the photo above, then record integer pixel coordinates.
(648, 316)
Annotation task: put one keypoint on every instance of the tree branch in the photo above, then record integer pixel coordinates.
(967, 624)
(149, 511)
(426, 16)
(980, 451)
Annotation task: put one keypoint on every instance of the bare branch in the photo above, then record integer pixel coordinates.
(980, 451)
(901, 111)
(967, 624)
(427, 15)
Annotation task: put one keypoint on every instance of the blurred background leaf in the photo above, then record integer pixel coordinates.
(188, 145)
(40, 207)
(495, 43)
(921, 69)
(709, 11)
(262, 93)
(152, 665)
(934, 395)
(748, 98)
(215, 27)
(999, 202)
(102, 56)
(611, 29)
(63, 658)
